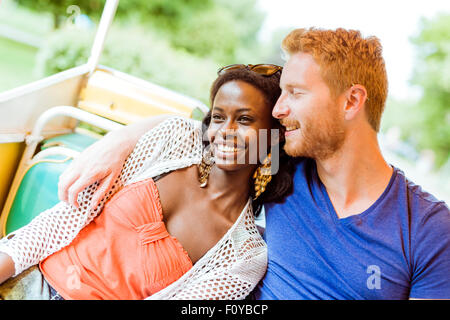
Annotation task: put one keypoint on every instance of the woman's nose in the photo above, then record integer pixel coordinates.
(281, 109)
(229, 126)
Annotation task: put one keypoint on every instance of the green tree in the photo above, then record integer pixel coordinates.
(58, 8)
(208, 34)
(216, 29)
(163, 14)
(178, 43)
(134, 50)
(432, 75)
(247, 19)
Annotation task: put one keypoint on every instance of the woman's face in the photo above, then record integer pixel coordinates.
(239, 131)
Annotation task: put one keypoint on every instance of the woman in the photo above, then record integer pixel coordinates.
(178, 223)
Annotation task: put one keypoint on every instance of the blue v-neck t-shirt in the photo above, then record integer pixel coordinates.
(398, 248)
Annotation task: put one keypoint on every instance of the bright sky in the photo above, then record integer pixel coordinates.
(392, 21)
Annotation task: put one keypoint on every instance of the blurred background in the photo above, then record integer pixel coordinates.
(180, 44)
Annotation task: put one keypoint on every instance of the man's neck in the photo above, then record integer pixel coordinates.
(356, 175)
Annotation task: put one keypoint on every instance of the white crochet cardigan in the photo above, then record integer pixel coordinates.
(229, 270)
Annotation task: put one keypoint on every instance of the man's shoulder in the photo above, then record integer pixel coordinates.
(424, 210)
(428, 221)
(418, 196)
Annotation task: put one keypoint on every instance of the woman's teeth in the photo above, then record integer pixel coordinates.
(223, 148)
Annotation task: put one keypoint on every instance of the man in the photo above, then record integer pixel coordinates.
(354, 227)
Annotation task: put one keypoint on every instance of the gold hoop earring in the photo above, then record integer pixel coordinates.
(204, 168)
(262, 176)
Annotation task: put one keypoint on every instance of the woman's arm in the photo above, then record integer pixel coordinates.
(55, 228)
(102, 161)
(6, 267)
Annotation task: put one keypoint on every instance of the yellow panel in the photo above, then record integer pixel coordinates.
(10, 154)
(120, 100)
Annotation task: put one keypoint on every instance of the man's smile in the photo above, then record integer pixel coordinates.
(291, 126)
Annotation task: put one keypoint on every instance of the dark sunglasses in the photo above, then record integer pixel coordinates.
(263, 69)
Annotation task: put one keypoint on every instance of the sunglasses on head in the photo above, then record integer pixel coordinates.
(263, 69)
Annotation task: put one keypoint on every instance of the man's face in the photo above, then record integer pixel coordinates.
(313, 119)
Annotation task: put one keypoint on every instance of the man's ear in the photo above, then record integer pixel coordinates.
(355, 98)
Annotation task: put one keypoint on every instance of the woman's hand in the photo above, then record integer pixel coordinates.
(102, 162)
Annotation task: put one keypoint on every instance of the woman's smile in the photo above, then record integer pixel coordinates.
(227, 151)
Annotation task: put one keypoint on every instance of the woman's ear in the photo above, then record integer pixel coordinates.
(355, 98)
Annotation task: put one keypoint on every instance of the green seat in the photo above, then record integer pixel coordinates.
(74, 141)
(38, 189)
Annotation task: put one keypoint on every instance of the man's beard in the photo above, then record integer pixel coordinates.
(319, 141)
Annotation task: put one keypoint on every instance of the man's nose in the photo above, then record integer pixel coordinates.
(280, 110)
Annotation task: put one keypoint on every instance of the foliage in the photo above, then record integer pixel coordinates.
(425, 122)
(247, 20)
(163, 14)
(133, 50)
(58, 8)
(207, 28)
(178, 44)
(217, 29)
(15, 65)
(208, 34)
(432, 75)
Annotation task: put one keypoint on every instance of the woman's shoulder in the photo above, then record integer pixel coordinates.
(179, 122)
(174, 132)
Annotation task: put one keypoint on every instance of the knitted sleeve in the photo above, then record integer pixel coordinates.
(161, 149)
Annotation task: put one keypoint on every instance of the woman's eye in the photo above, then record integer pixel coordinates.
(216, 117)
(245, 119)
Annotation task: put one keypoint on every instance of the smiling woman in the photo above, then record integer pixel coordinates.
(244, 119)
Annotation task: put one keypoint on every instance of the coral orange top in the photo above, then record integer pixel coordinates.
(124, 253)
